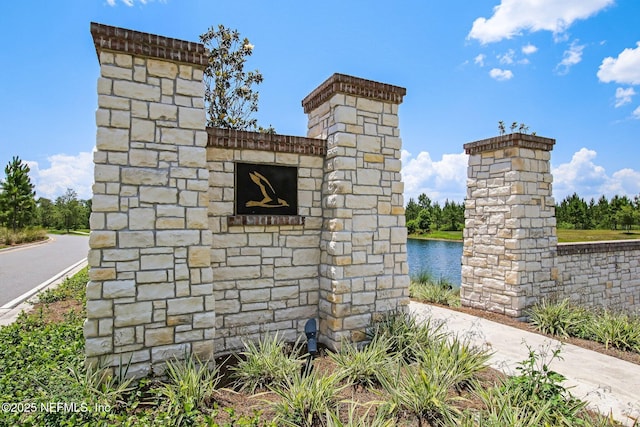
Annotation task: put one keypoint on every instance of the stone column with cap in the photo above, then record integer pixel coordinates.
(150, 296)
(363, 265)
(510, 238)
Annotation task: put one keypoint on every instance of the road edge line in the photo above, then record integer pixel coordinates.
(14, 302)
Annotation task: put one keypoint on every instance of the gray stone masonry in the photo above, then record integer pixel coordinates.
(175, 270)
(510, 227)
(150, 296)
(363, 255)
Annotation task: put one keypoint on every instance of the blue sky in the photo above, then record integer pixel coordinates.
(569, 69)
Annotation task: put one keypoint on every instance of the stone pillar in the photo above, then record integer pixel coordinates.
(149, 297)
(363, 261)
(510, 238)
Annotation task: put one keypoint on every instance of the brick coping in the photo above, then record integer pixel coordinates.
(511, 140)
(247, 140)
(349, 85)
(598, 247)
(106, 37)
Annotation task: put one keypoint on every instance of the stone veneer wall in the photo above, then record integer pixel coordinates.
(510, 227)
(599, 274)
(174, 270)
(363, 255)
(265, 268)
(151, 295)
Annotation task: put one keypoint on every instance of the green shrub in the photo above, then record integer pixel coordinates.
(24, 235)
(537, 386)
(364, 367)
(380, 418)
(266, 363)
(306, 399)
(559, 318)
(425, 288)
(618, 330)
(407, 337)
(423, 393)
(71, 288)
(461, 360)
(192, 384)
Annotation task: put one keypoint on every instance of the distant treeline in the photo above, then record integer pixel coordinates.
(573, 212)
(425, 215)
(20, 209)
(618, 213)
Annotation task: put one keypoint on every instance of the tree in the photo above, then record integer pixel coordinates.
(411, 211)
(17, 195)
(424, 220)
(229, 97)
(69, 210)
(627, 217)
(45, 213)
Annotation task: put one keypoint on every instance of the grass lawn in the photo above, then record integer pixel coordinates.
(439, 235)
(595, 235)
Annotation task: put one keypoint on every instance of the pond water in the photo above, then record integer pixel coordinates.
(440, 258)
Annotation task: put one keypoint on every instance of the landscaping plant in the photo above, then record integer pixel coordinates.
(269, 361)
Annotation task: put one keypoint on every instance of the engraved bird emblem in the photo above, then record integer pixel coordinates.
(270, 198)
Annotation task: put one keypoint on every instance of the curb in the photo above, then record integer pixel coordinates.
(27, 245)
(11, 310)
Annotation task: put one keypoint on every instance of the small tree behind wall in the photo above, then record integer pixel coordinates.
(229, 95)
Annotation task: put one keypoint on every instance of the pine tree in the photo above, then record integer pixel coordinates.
(17, 195)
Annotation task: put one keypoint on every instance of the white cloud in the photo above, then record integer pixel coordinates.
(529, 49)
(512, 17)
(500, 75)
(583, 176)
(636, 113)
(440, 180)
(571, 57)
(625, 69)
(507, 57)
(447, 178)
(623, 96)
(480, 59)
(66, 171)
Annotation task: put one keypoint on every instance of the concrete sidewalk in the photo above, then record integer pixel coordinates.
(608, 384)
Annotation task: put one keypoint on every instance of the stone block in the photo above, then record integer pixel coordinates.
(156, 262)
(136, 239)
(133, 90)
(199, 256)
(187, 305)
(133, 314)
(193, 88)
(98, 346)
(345, 114)
(111, 139)
(119, 289)
(158, 336)
(172, 238)
(102, 239)
(141, 218)
(159, 68)
(192, 157)
(192, 118)
(145, 176)
(158, 195)
(99, 308)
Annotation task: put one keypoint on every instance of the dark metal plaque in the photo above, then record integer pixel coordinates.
(266, 189)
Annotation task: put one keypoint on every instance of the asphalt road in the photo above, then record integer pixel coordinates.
(24, 268)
